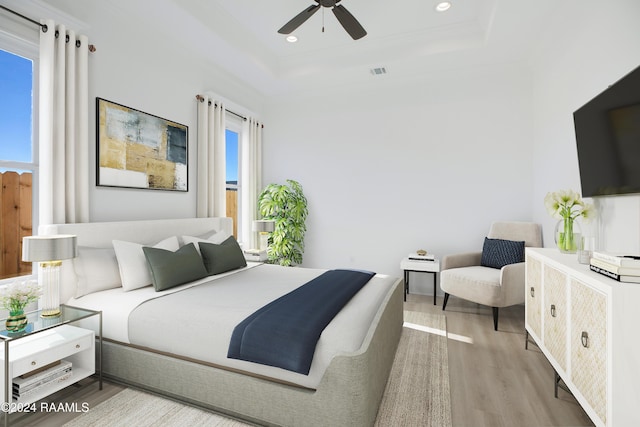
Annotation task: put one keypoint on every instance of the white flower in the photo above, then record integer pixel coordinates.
(552, 203)
(565, 204)
(588, 212)
(17, 295)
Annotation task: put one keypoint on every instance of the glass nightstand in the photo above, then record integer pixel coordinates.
(46, 341)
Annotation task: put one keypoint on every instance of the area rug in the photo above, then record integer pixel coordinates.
(417, 393)
(135, 408)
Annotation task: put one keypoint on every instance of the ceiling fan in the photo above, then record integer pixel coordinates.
(346, 19)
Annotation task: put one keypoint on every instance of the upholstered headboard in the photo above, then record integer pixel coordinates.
(101, 235)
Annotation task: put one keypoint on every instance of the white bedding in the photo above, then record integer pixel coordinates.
(116, 304)
(233, 301)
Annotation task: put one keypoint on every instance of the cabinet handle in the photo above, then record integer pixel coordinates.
(77, 345)
(553, 310)
(533, 292)
(33, 363)
(585, 339)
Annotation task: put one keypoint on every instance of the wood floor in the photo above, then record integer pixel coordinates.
(494, 381)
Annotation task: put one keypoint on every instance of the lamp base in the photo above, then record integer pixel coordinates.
(50, 276)
(264, 241)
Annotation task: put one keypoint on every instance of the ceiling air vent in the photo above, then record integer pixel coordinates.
(378, 71)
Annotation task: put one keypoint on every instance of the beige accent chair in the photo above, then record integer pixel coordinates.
(463, 276)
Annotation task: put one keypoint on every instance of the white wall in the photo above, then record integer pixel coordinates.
(140, 64)
(588, 46)
(392, 167)
(495, 141)
(387, 167)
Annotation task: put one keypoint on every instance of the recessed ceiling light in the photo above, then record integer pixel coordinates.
(292, 39)
(443, 6)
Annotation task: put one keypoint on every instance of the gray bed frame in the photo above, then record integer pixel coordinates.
(348, 394)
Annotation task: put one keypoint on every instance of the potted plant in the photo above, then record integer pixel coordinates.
(287, 206)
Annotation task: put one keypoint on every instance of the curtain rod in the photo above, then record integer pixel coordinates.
(24, 17)
(201, 99)
(44, 27)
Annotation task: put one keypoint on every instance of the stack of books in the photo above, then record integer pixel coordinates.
(29, 384)
(623, 268)
(427, 257)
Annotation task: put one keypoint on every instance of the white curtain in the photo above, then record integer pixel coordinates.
(63, 126)
(211, 194)
(251, 167)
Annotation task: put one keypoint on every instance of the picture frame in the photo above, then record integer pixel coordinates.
(135, 149)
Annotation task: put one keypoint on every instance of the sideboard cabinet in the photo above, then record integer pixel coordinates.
(588, 327)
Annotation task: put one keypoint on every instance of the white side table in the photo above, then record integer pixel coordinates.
(48, 340)
(409, 265)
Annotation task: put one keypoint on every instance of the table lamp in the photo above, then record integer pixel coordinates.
(49, 251)
(264, 227)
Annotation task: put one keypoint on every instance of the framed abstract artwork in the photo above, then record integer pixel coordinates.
(139, 150)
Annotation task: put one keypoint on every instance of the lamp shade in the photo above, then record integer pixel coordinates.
(49, 248)
(264, 225)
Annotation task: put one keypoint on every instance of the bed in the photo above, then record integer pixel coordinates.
(350, 365)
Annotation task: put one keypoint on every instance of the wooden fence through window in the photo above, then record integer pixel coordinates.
(15, 222)
(232, 208)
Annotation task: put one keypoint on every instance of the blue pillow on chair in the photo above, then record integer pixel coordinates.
(496, 253)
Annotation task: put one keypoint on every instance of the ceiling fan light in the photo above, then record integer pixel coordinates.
(443, 6)
(291, 39)
(344, 17)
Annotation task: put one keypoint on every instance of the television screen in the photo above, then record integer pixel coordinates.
(608, 139)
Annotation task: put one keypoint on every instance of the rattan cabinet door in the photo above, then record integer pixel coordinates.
(589, 345)
(554, 312)
(533, 293)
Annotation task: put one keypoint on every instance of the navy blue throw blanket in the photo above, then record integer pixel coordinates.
(284, 333)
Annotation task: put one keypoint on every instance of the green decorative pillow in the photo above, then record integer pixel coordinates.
(224, 257)
(169, 269)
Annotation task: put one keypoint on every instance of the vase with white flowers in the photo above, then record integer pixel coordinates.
(14, 298)
(567, 206)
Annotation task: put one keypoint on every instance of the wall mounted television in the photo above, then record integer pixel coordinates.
(608, 139)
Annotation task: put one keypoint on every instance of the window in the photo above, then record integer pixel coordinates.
(18, 155)
(232, 166)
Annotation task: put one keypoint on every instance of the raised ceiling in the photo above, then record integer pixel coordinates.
(407, 37)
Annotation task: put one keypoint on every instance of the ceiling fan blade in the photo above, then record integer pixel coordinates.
(299, 19)
(349, 22)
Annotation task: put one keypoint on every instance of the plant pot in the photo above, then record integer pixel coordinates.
(17, 321)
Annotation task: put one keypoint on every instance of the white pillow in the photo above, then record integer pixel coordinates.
(205, 235)
(134, 269)
(96, 269)
(217, 238)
